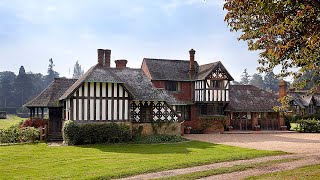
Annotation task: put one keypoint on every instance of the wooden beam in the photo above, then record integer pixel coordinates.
(88, 103)
(94, 101)
(82, 102)
(77, 105)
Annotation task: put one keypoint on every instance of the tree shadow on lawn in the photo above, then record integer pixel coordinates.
(169, 148)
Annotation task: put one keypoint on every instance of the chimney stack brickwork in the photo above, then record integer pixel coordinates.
(282, 88)
(104, 57)
(282, 93)
(192, 69)
(122, 63)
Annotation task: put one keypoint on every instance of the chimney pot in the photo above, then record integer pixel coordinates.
(121, 63)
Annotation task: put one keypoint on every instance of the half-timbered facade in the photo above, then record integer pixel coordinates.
(161, 90)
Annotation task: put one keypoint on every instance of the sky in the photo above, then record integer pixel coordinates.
(33, 31)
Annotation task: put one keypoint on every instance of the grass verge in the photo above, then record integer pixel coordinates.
(223, 170)
(11, 120)
(304, 173)
(38, 161)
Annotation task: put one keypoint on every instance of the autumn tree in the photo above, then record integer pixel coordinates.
(286, 33)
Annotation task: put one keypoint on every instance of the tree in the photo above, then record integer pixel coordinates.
(245, 78)
(6, 88)
(23, 87)
(286, 33)
(77, 71)
(257, 81)
(271, 82)
(51, 73)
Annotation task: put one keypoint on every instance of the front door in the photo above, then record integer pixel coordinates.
(55, 120)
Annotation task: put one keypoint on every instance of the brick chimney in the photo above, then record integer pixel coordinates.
(282, 88)
(104, 56)
(191, 64)
(121, 63)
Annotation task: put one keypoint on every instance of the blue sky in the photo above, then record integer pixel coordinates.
(33, 31)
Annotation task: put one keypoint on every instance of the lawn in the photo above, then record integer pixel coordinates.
(303, 173)
(113, 160)
(11, 120)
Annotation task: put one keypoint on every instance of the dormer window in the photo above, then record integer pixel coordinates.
(172, 86)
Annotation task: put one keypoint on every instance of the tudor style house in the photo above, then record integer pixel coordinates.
(302, 102)
(178, 91)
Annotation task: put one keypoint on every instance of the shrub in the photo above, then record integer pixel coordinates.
(309, 125)
(74, 134)
(27, 134)
(158, 138)
(14, 134)
(35, 122)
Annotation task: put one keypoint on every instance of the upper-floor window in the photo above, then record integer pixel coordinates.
(217, 84)
(172, 86)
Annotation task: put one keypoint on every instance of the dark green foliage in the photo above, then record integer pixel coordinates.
(287, 123)
(296, 118)
(74, 134)
(137, 132)
(14, 134)
(309, 125)
(158, 138)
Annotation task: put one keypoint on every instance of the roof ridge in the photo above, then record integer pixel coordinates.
(166, 59)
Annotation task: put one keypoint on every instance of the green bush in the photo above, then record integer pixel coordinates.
(14, 134)
(74, 134)
(158, 138)
(309, 125)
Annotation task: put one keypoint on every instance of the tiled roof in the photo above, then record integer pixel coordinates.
(178, 70)
(248, 98)
(303, 98)
(166, 69)
(137, 83)
(50, 96)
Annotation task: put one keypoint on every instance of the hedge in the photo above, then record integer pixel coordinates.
(309, 125)
(14, 134)
(75, 134)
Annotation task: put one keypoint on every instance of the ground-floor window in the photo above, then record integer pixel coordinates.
(184, 112)
(211, 109)
(145, 113)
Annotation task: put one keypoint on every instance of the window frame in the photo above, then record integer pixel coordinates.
(184, 111)
(172, 86)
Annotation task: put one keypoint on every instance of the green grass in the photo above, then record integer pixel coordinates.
(113, 160)
(304, 173)
(223, 170)
(11, 120)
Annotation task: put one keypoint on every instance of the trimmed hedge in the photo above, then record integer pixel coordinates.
(76, 134)
(14, 134)
(309, 125)
(158, 138)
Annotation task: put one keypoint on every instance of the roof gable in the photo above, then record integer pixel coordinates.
(134, 80)
(50, 96)
(213, 69)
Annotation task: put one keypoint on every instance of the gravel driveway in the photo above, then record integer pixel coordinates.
(302, 143)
